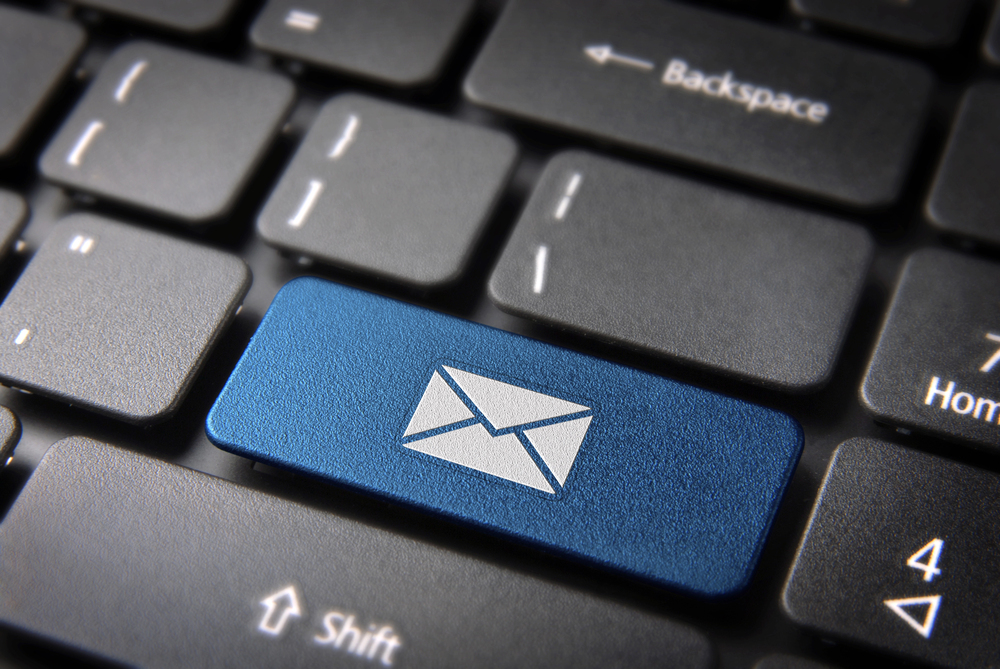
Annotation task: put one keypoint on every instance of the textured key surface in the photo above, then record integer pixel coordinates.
(35, 53)
(625, 469)
(10, 432)
(171, 567)
(917, 22)
(13, 215)
(389, 190)
(184, 15)
(717, 91)
(168, 131)
(115, 318)
(681, 270)
(903, 553)
(938, 358)
(965, 198)
(399, 43)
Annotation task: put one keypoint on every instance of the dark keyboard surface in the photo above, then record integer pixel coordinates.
(704, 213)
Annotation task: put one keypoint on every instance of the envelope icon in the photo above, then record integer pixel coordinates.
(498, 428)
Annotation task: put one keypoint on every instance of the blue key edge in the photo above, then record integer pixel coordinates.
(215, 435)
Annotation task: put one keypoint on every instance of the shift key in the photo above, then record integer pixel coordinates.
(826, 120)
(154, 565)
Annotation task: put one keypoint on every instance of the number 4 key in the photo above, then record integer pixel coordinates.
(932, 551)
(871, 567)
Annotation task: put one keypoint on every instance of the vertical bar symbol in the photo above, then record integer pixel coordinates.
(22, 336)
(567, 198)
(128, 81)
(346, 137)
(307, 204)
(541, 258)
(75, 156)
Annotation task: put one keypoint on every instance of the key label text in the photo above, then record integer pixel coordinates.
(750, 96)
(377, 642)
(944, 396)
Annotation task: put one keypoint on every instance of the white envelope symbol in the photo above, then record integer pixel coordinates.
(500, 451)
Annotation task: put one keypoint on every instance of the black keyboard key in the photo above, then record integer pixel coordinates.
(718, 91)
(938, 358)
(902, 553)
(965, 198)
(397, 43)
(170, 567)
(13, 216)
(10, 433)
(35, 54)
(718, 280)
(168, 131)
(389, 190)
(991, 46)
(928, 23)
(116, 319)
(189, 16)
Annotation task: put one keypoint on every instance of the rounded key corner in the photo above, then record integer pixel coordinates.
(931, 208)
(786, 604)
(288, 89)
(198, 25)
(49, 165)
(215, 432)
(128, 46)
(797, 437)
(153, 414)
(991, 52)
(200, 215)
(10, 433)
(439, 280)
(469, 91)
(416, 78)
(797, 7)
(877, 199)
(865, 399)
(242, 273)
(293, 288)
(507, 152)
(75, 34)
(721, 592)
(806, 385)
(495, 290)
(209, 23)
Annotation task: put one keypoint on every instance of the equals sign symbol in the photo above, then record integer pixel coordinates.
(306, 22)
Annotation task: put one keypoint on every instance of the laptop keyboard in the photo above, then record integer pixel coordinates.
(734, 403)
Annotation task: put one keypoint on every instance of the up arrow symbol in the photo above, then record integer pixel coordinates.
(604, 53)
(280, 606)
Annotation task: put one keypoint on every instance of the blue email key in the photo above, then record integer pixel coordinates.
(591, 459)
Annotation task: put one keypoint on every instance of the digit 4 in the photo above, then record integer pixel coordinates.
(931, 554)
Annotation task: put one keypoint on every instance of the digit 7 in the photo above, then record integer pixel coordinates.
(995, 358)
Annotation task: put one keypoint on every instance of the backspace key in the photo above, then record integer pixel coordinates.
(765, 103)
